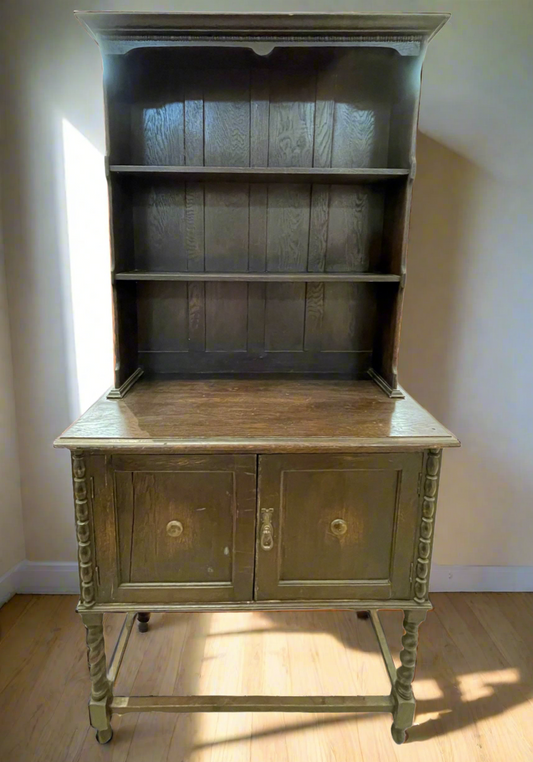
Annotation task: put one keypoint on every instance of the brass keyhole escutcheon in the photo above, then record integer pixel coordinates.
(174, 528)
(339, 527)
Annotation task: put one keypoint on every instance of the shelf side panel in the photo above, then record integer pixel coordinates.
(117, 128)
(402, 147)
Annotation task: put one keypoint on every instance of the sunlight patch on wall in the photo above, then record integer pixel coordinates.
(89, 259)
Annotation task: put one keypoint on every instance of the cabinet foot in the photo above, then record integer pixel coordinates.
(101, 692)
(399, 736)
(142, 621)
(402, 691)
(104, 736)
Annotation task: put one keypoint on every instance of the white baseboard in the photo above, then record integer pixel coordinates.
(62, 579)
(10, 582)
(481, 579)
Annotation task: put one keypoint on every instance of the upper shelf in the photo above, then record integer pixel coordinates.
(264, 174)
(294, 277)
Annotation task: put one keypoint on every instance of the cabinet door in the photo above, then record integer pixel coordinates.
(173, 528)
(336, 527)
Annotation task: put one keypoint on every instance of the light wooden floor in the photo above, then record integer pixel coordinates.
(474, 684)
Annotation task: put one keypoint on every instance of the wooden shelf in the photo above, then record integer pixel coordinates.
(263, 174)
(139, 275)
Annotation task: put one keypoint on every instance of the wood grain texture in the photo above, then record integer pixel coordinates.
(305, 494)
(228, 228)
(227, 118)
(265, 414)
(162, 317)
(314, 316)
(126, 335)
(157, 131)
(117, 108)
(291, 122)
(196, 303)
(209, 557)
(259, 277)
(473, 683)
(288, 227)
(258, 215)
(261, 363)
(260, 174)
(318, 228)
(157, 109)
(284, 317)
(354, 229)
(272, 166)
(361, 113)
(159, 219)
(201, 502)
(226, 219)
(188, 704)
(226, 317)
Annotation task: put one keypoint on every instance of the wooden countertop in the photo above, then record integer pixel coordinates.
(258, 415)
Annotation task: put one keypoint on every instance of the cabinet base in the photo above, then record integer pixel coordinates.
(400, 702)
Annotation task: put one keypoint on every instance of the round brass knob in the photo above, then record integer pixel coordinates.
(174, 528)
(339, 527)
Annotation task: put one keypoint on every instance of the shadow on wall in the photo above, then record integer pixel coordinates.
(432, 307)
(466, 305)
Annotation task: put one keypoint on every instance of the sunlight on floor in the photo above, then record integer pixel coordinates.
(480, 684)
(89, 259)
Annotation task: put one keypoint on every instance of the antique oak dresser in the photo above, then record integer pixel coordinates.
(256, 450)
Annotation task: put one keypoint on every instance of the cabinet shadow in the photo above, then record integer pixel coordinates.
(472, 666)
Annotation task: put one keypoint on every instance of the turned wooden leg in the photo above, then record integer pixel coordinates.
(101, 693)
(404, 711)
(142, 621)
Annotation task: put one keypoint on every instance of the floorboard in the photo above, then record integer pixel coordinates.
(474, 684)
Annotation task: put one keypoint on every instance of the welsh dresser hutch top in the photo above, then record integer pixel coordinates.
(260, 171)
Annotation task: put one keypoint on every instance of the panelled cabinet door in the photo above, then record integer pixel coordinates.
(337, 527)
(170, 528)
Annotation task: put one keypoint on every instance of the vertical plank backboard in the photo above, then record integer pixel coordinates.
(288, 227)
(159, 226)
(227, 118)
(162, 315)
(315, 108)
(284, 316)
(226, 317)
(292, 115)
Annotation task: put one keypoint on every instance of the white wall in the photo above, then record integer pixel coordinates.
(467, 345)
(12, 550)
